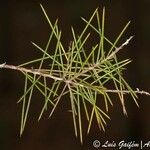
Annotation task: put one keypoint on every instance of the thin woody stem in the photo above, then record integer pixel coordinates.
(127, 92)
(33, 71)
(37, 72)
(118, 49)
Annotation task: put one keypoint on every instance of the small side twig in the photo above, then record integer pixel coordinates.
(127, 92)
(119, 48)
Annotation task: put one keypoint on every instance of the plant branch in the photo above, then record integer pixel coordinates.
(38, 72)
(33, 71)
(80, 72)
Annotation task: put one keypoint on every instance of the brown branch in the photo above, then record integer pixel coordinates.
(37, 72)
(33, 71)
(127, 92)
(118, 49)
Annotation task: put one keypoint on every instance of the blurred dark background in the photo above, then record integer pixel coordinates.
(22, 22)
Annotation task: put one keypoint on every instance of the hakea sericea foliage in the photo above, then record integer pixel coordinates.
(85, 75)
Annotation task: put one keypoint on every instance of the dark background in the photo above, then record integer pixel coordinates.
(22, 22)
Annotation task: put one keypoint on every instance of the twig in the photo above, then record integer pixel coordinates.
(119, 48)
(127, 92)
(36, 72)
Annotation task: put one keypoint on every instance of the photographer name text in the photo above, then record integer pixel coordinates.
(122, 144)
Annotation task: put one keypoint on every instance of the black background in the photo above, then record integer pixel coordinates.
(22, 22)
